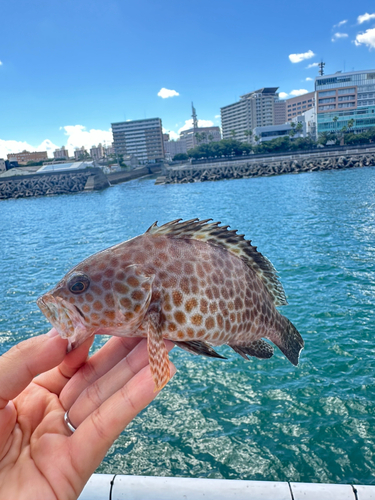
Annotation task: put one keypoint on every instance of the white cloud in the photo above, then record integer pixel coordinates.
(308, 79)
(296, 58)
(296, 93)
(173, 136)
(78, 136)
(11, 146)
(336, 36)
(340, 23)
(201, 123)
(365, 17)
(1, 63)
(283, 95)
(165, 93)
(217, 116)
(312, 65)
(366, 38)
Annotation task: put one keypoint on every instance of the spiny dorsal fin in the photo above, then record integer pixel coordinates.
(213, 233)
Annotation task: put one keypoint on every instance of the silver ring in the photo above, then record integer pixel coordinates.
(68, 423)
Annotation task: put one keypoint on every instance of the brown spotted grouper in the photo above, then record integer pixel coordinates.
(195, 282)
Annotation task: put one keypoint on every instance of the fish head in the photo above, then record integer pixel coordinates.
(98, 298)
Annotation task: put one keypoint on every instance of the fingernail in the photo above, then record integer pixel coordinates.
(52, 333)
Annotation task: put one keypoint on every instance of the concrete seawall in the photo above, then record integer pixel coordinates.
(290, 163)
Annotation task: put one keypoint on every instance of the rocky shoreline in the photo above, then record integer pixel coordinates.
(267, 168)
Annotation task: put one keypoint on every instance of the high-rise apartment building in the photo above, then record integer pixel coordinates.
(141, 138)
(61, 153)
(255, 109)
(342, 97)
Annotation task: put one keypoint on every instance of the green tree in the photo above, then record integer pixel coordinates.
(335, 119)
(233, 133)
(180, 157)
(299, 127)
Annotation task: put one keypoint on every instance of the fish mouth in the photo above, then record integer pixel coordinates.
(68, 319)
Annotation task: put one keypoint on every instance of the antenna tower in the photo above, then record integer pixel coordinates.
(195, 119)
(321, 68)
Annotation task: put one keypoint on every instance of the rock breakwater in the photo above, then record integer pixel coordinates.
(263, 168)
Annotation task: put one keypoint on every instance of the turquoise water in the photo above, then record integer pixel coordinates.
(258, 419)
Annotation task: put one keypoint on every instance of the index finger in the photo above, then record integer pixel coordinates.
(24, 361)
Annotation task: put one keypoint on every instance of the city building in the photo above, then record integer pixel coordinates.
(142, 138)
(297, 105)
(97, 152)
(26, 156)
(200, 135)
(172, 148)
(80, 153)
(269, 132)
(61, 153)
(345, 97)
(255, 109)
(2, 165)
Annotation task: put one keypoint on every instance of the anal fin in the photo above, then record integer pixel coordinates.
(157, 352)
(258, 348)
(199, 347)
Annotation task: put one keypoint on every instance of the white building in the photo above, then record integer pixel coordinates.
(142, 138)
(2, 165)
(80, 153)
(97, 152)
(201, 135)
(256, 109)
(61, 153)
(172, 148)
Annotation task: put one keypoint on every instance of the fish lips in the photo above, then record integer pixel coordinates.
(66, 318)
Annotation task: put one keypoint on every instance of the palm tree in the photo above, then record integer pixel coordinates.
(256, 138)
(292, 131)
(233, 134)
(248, 134)
(351, 123)
(299, 127)
(334, 119)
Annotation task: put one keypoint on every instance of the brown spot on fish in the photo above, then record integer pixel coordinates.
(220, 320)
(184, 285)
(172, 327)
(120, 276)
(203, 306)
(197, 319)
(180, 334)
(209, 323)
(138, 295)
(180, 317)
(86, 308)
(188, 268)
(107, 285)
(121, 288)
(128, 316)
(109, 300)
(201, 333)
(97, 290)
(110, 315)
(97, 306)
(190, 332)
(133, 281)
(191, 304)
(109, 273)
(177, 298)
(89, 297)
(126, 303)
(137, 308)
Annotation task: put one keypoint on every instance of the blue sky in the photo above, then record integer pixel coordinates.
(69, 69)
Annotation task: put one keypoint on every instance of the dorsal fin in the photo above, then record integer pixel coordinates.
(214, 234)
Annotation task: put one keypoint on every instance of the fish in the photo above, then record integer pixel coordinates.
(195, 282)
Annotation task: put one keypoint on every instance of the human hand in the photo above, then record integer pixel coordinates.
(39, 457)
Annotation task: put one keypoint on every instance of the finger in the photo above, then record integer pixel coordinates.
(54, 380)
(25, 360)
(97, 433)
(100, 363)
(107, 385)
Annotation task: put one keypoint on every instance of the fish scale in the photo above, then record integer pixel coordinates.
(194, 282)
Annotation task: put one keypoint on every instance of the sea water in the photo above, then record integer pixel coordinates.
(235, 419)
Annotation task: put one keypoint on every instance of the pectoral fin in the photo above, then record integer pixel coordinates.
(200, 348)
(157, 352)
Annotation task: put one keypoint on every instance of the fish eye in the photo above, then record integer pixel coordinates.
(78, 283)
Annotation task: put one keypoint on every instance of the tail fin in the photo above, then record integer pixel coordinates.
(288, 340)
